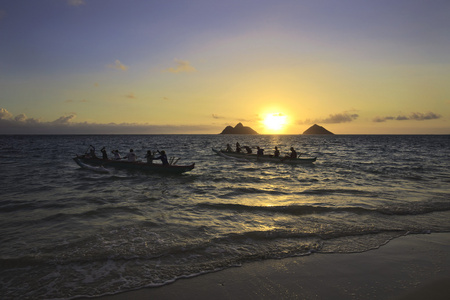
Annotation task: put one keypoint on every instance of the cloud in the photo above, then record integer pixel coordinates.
(64, 120)
(413, 116)
(4, 114)
(217, 116)
(401, 118)
(76, 2)
(245, 120)
(21, 118)
(118, 66)
(340, 118)
(7, 118)
(382, 119)
(131, 96)
(427, 116)
(333, 119)
(21, 124)
(181, 66)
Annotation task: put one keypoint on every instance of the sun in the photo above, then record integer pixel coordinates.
(275, 122)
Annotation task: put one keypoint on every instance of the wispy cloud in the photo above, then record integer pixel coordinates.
(118, 66)
(131, 96)
(232, 120)
(76, 2)
(181, 66)
(427, 116)
(333, 119)
(217, 116)
(413, 116)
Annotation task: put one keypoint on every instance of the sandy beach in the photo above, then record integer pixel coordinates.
(410, 267)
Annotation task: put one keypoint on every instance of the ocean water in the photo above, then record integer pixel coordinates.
(67, 232)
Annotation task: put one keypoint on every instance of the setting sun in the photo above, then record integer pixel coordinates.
(275, 122)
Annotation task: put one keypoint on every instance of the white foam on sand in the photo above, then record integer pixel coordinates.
(404, 268)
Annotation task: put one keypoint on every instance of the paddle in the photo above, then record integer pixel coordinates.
(86, 152)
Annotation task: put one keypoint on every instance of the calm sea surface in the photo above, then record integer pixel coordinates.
(68, 232)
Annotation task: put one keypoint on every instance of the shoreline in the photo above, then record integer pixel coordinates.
(410, 267)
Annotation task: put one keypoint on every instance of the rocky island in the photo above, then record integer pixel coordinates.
(316, 129)
(238, 129)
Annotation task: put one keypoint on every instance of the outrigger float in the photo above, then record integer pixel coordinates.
(141, 166)
(264, 158)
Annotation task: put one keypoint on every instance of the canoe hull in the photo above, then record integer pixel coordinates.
(265, 158)
(140, 166)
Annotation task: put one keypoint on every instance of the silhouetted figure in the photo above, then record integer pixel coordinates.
(259, 151)
(293, 154)
(276, 153)
(229, 148)
(131, 156)
(163, 158)
(238, 148)
(92, 151)
(104, 154)
(116, 154)
(149, 157)
(248, 149)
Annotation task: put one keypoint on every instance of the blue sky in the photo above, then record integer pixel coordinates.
(197, 66)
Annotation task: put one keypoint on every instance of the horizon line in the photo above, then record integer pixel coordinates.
(236, 134)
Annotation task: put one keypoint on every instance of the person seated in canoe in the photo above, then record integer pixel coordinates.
(276, 153)
(259, 151)
(163, 158)
(104, 154)
(116, 155)
(238, 148)
(131, 156)
(149, 156)
(293, 154)
(248, 149)
(91, 153)
(229, 148)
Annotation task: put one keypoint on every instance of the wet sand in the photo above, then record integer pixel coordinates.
(410, 267)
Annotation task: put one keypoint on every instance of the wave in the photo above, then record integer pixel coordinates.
(416, 209)
(94, 213)
(287, 209)
(335, 191)
(240, 191)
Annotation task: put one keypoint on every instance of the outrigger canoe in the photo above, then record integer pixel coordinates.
(265, 158)
(98, 169)
(141, 166)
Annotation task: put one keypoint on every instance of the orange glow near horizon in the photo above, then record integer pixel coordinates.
(275, 122)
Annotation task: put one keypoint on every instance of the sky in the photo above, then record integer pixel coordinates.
(197, 66)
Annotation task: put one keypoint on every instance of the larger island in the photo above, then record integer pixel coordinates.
(238, 129)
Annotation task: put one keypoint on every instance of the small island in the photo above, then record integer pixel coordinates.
(238, 129)
(316, 129)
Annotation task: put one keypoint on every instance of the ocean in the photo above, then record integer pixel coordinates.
(67, 232)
